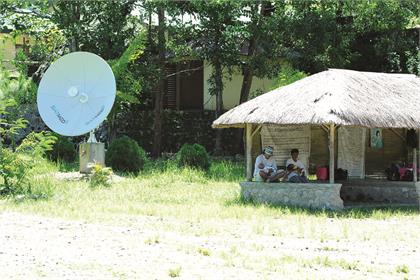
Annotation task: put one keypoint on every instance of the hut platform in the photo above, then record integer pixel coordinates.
(352, 193)
(379, 192)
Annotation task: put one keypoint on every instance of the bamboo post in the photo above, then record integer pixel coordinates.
(418, 141)
(248, 132)
(415, 164)
(363, 174)
(331, 148)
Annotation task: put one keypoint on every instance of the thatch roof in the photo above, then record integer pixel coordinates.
(342, 97)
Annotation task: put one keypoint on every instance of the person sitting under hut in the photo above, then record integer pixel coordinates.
(294, 174)
(266, 167)
(295, 161)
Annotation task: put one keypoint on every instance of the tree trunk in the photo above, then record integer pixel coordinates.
(248, 73)
(75, 46)
(157, 125)
(245, 89)
(112, 132)
(248, 77)
(218, 77)
(252, 49)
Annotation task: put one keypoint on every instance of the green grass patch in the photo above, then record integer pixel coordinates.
(163, 189)
(175, 272)
(402, 269)
(204, 252)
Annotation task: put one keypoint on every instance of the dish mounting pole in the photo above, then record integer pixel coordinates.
(92, 138)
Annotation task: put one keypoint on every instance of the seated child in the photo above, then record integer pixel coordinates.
(269, 174)
(294, 174)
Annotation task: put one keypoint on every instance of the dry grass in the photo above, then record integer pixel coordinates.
(342, 97)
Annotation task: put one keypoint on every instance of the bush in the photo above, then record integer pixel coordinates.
(22, 90)
(37, 144)
(15, 166)
(194, 156)
(124, 154)
(17, 163)
(101, 176)
(13, 172)
(63, 150)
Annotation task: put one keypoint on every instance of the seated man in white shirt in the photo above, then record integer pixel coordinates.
(296, 162)
(266, 168)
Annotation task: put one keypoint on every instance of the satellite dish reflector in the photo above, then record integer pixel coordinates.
(76, 93)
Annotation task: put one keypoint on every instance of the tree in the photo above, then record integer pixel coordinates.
(102, 27)
(128, 70)
(385, 38)
(263, 57)
(30, 16)
(216, 34)
(161, 48)
(327, 34)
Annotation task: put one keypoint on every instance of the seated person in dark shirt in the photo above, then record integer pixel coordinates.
(294, 174)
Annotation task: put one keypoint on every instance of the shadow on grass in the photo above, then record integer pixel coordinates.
(354, 213)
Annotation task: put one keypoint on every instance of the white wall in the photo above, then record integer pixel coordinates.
(232, 89)
(7, 51)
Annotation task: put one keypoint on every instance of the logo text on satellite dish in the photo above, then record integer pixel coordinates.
(58, 114)
(96, 115)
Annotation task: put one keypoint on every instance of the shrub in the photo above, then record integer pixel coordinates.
(22, 90)
(16, 166)
(194, 156)
(13, 172)
(63, 150)
(17, 163)
(9, 126)
(124, 154)
(37, 143)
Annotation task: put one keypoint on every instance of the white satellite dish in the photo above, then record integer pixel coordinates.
(76, 93)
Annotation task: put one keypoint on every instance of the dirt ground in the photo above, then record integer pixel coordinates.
(37, 247)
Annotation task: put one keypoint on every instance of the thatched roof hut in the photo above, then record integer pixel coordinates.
(332, 98)
(335, 96)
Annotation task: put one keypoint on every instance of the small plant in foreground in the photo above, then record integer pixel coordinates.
(152, 240)
(402, 269)
(204, 252)
(175, 272)
(194, 156)
(101, 176)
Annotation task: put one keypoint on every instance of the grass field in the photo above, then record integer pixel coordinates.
(199, 220)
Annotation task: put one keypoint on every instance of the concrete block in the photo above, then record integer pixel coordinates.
(91, 153)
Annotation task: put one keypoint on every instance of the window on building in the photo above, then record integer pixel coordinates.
(184, 86)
